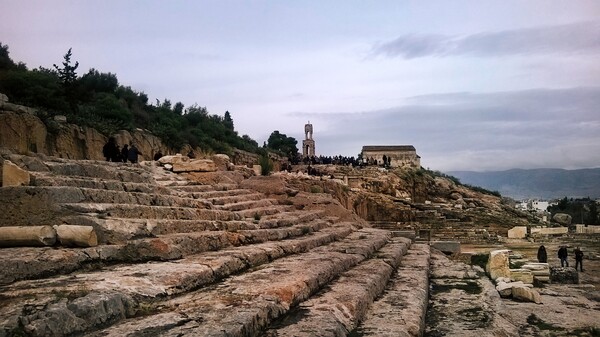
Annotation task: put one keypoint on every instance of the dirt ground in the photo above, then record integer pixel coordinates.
(567, 309)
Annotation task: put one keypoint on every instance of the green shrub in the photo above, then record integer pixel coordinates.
(266, 165)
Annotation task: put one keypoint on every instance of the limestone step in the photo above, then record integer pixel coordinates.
(401, 310)
(45, 179)
(31, 263)
(149, 212)
(336, 310)
(235, 198)
(187, 186)
(69, 194)
(213, 194)
(239, 305)
(102, 170)
(259, 212)
(289, 218)
(247, 204)
(176, 246)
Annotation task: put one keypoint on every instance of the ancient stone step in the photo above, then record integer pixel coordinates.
(289, 218)
(186, 186)
(402, 308)
(235, 198)
(248, 204)
(337, 309)
(31, 263)
(44, 179)
(101, 170)
(68, 194)
(149, 212)
(213, 194)
(259, 212)
(240, 305)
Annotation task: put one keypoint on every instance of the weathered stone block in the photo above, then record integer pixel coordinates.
(77, 236)
(26, 236)
(526, 294)
(448, 247)
(566, 275)
(497, 265)
(562, 218)
(523, 275)
(12, 175)
(518, 232)
(196, 165)
(222, 161)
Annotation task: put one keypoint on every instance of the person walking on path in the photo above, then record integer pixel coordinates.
(578, 259)
(542, 256)
(562, 255)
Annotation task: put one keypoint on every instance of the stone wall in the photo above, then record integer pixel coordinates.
(241, 157)
(549, 231)
(583, 229)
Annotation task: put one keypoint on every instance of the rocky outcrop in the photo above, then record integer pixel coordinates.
(21, 131)
(562, 218)
(12, 175)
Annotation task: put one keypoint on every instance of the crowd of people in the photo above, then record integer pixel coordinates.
(129, 152)
(563, 255)
(347, 161)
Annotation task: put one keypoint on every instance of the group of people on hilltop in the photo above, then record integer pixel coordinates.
(347, 161)
(112, 152)
(562, 255)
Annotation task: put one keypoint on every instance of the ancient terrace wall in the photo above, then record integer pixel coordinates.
(402, 155)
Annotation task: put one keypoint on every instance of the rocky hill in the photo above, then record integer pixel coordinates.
(537, 183)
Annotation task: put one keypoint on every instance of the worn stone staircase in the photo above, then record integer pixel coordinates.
(178, 258)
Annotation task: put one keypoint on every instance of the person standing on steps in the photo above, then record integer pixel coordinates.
(133, 154)
(578, 259)
(125, 153)
(562, 255)
(542, 256)
(110, 149)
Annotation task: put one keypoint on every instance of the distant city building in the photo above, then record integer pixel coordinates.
(400, 155)
(538, 206)
(308, 144)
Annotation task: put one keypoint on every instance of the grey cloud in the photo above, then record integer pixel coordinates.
(577, 37)
(503, 129)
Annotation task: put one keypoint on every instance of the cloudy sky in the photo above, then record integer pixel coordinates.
(473, 85)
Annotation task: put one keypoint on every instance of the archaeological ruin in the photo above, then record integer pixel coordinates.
(208, 247)
(397, 155)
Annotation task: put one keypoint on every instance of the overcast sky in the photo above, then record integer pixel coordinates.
(473, 85)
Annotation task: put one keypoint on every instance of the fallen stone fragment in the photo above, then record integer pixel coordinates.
(76, 236)
(497, 265)
(12, 175)
(566, 275)
(526, 294)
(197, 165)
(524, 275)
(26, 236)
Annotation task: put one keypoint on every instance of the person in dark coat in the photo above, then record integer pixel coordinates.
(542, 256)
(158, 155)
(562, 255)
(110, 150)
(133, 154)
(125, 153)
(578, 259)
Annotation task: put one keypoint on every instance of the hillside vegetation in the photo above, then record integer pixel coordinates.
(97, 99)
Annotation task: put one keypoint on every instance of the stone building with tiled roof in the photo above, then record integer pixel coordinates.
(401, 155)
